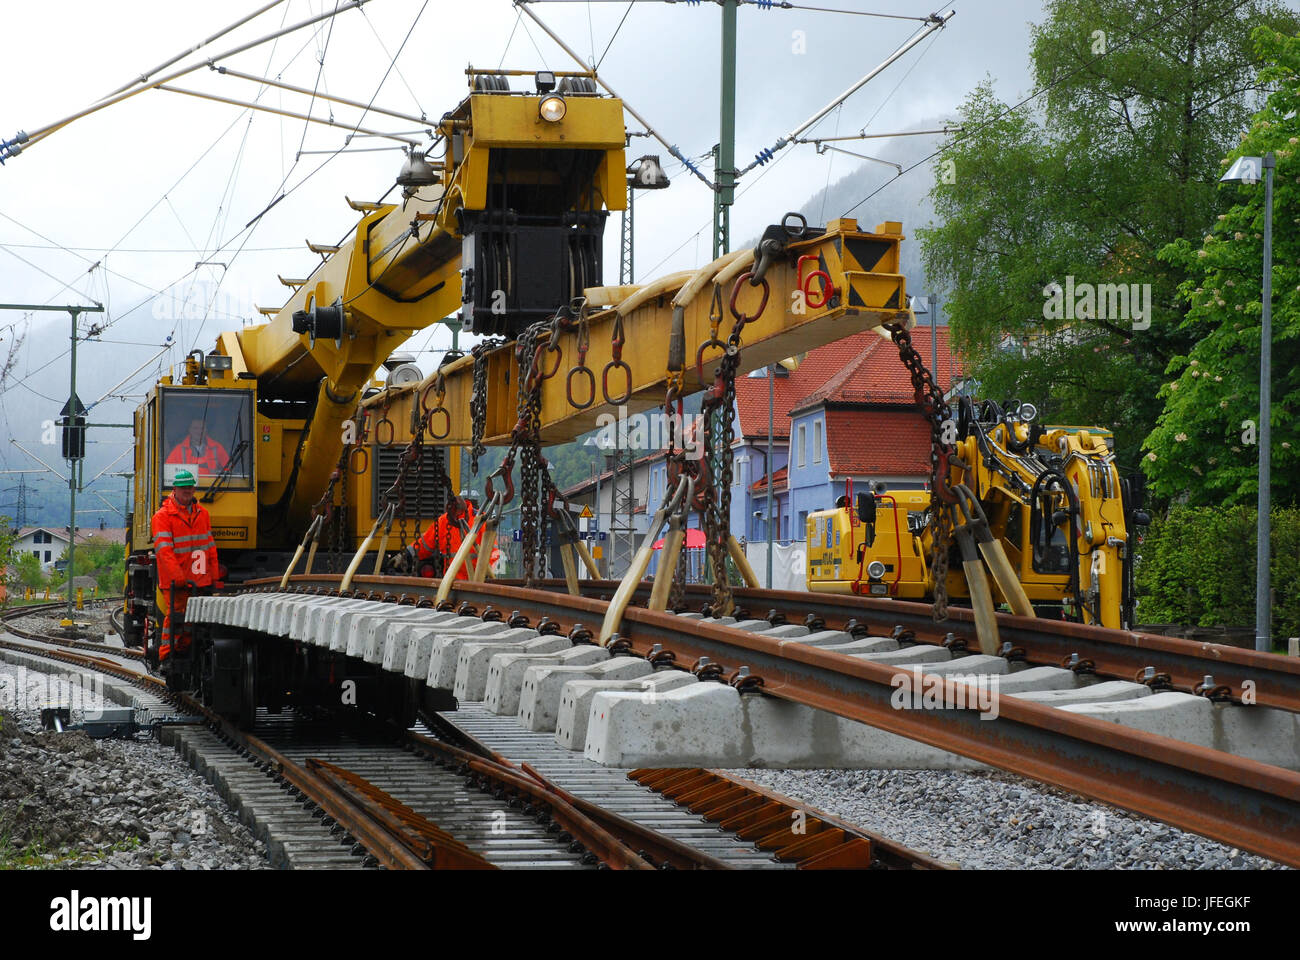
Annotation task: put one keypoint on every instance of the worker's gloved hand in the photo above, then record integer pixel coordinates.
(403, 561)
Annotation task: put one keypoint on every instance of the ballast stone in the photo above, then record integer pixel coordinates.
(539, 695)
(695, 725)
(577, 695)
(506, 673)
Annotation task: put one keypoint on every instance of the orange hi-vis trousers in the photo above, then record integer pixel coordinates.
(169, 601)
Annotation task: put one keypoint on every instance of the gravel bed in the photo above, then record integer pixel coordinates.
(67, 801)
(91, 624)
(997, 820)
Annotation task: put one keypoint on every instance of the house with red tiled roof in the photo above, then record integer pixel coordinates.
(846, 413)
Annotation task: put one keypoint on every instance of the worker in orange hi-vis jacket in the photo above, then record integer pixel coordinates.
(444, 537)
(187, 557)
(199, 450)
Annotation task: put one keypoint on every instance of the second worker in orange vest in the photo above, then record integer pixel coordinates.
(444, 537)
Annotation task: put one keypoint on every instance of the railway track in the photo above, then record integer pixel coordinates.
(843, 656)
(333, 791)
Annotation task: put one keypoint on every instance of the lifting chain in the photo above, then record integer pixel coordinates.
(719, 433)
(529, 349)
(395, 495)
(478, 400)
(942, 498)
(324, 507)
(676, 465)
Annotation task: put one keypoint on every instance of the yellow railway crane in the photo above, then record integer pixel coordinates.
(1044, 507)
(609, 349)
(508, 223)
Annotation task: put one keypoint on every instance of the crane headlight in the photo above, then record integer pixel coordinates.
(875, 569)
(552, 108)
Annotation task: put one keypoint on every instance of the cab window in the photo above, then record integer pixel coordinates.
(209, 433)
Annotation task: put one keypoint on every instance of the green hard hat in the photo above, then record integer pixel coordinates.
(183, 478)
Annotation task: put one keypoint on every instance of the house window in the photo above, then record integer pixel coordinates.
(817, 441)
(36, 554)
(47, 556)
(802, 437)
(803, 523)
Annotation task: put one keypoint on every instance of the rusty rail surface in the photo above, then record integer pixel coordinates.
(400, 838)
(9, 616)
(1113, 654)
(1234, 800)
(794, 832)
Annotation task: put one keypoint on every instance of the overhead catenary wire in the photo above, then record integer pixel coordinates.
(144, 77)
(230, 72)
(251, 226)
(671, 148)
(329, 122)
(30, 139)
(935, 22)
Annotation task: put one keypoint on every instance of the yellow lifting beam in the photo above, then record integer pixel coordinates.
(822, 288)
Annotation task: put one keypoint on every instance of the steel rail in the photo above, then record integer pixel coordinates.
(397, 837)
(1269, 679)
(1123, 654)
(1237, 801)
(795, 832)
(661, 850)
(388, 848)
(9, 616)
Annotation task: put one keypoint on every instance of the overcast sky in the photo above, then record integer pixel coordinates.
(148, 187)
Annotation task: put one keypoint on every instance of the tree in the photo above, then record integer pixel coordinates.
(7, 559)
(27, 571)
(1120, 161)
(1206, 442)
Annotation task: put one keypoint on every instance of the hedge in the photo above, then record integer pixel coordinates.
(1197, 566)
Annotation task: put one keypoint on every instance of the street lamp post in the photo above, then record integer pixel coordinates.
(1246, 170)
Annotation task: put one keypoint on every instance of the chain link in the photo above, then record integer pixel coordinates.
(719, 432)
(936, 411)
(527, 439)
(478, 400)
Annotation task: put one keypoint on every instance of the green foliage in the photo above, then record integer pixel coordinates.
(1120, 162)
(7, 558)
(101, 559)
(1205, 443)
(27, 572)
(1198, 567)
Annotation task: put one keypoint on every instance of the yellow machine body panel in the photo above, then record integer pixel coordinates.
(1087, 575)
